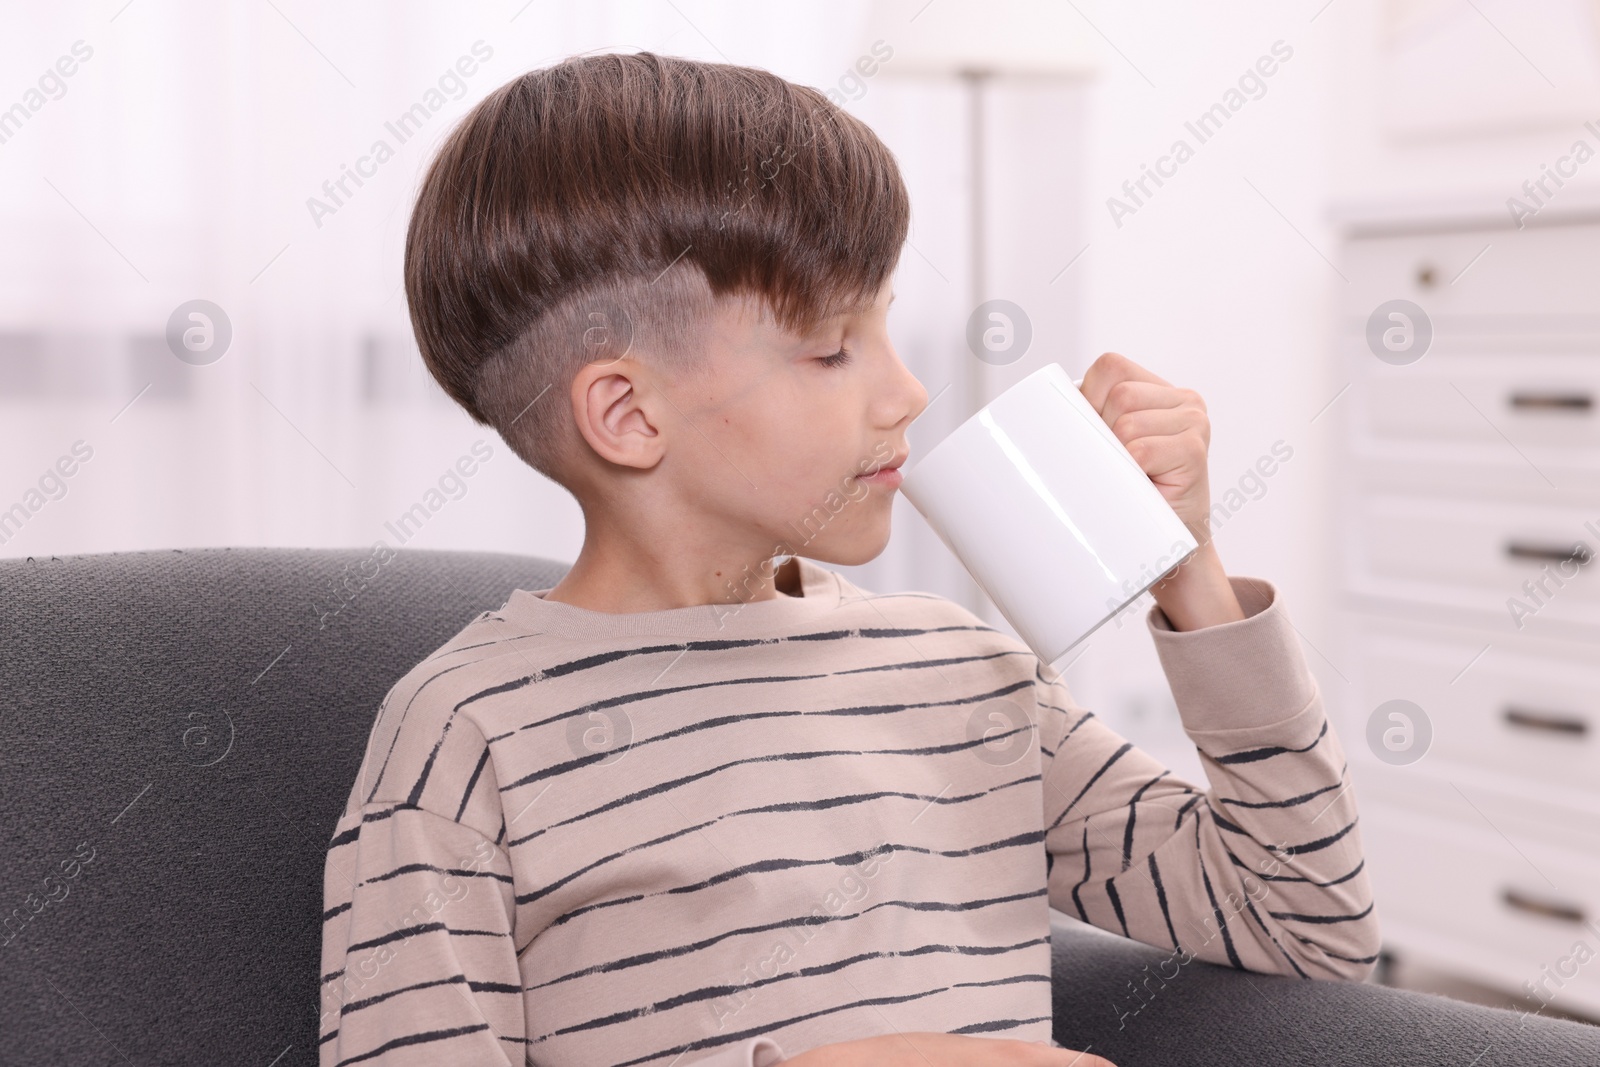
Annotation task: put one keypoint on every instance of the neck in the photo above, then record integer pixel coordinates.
(618, 574)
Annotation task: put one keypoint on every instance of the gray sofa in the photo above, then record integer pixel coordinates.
(178, 731)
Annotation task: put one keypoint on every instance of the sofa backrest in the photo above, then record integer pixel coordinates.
(179, 731)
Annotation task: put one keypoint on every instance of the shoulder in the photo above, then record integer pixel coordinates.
(425, 748)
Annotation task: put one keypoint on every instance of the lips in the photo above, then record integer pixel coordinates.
(889, 474)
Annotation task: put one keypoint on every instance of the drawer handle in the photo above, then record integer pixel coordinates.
(1557, 724)
(1578, 552)
(1552, 401)
(1565, 912)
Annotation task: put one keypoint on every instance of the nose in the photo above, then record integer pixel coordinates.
(908, 395)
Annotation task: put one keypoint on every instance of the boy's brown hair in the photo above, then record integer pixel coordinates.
(610, 202)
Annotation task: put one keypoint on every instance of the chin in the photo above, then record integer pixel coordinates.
(852, 550)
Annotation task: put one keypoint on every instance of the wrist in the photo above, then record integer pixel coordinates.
(1197, 593)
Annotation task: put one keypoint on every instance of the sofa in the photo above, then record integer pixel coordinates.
(178, 733)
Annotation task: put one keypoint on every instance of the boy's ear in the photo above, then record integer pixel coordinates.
(612, 414)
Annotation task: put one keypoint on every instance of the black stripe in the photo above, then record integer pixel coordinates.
(1248, 903)
(776, 757)
(1127, 746)
(1087, 856)
(949, 662)
(466, 794)
(1116, 904)
(347, 836)
(849, 859)
(1294, 916)
(1295, 850)
(1237, 862)
(670, 690)
(406, 932)
(1322, 842)
(412, 868)
(1127, 831)
(601, 659)
(1192, 801)
(1086, 717)
(767, 809)
(1348, 959)
(350, 1006)
(695, 996)
(1291, 802)
(1216, 909)
(406, 711)
(1255, 754)
(344, 837)
(1161, 898)
(425, 1038)
(998, 1024)
(718, 721)
(799, 920)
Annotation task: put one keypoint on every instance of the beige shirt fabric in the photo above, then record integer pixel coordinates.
(725, 834)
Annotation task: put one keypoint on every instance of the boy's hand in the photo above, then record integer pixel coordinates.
(1165, 428)
(942, 1050)
(1168, 433)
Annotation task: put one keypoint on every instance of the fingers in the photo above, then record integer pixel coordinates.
(1164, 454)
(1152, 422)
(1108, 371)
(1039, 1054)
(1132, 395)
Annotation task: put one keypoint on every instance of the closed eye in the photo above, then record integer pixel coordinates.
(838, 359)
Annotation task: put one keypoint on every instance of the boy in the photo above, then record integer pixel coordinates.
(691, 805)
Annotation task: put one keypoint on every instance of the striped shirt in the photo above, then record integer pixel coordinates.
(725, 834)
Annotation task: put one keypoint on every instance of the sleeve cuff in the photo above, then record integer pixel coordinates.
(1236, 675)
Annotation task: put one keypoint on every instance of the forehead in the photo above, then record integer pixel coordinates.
(746, 313)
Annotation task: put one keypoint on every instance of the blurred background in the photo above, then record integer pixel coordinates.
(1364, 230)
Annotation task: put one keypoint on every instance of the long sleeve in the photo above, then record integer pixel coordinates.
(1263, 871)
(419, 964)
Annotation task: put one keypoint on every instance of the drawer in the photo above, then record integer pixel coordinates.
(1476, 556)
(1532, 721)
(1506, 913)
(1471, 472)
(1510, 400)
(1537, 280)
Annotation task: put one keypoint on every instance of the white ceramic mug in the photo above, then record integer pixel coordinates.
(1048, 511)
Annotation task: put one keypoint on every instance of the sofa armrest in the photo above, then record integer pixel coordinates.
(1111, 999)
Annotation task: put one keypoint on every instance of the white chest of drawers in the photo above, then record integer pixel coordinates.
(1468, 533)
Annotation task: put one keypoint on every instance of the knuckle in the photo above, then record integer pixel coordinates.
(1123, 390)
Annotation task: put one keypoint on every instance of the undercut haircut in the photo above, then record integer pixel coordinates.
(608, 205)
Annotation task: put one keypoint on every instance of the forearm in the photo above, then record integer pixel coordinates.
(1197, 593)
